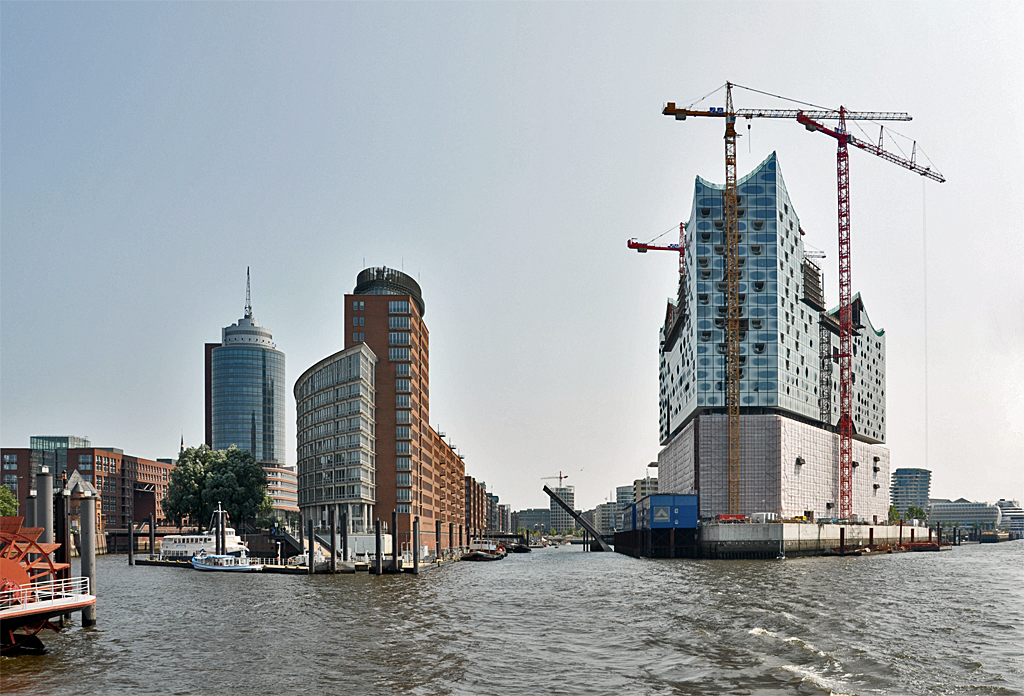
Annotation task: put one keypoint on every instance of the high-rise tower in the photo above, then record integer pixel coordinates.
(245, 390)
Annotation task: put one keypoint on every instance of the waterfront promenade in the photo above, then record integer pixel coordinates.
(556, 621)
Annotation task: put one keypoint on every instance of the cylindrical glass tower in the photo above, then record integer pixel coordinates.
(248, 391)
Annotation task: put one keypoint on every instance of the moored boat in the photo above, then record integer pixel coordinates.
(483, 550)
(225, 562)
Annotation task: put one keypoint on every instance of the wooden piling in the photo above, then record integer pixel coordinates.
(152, 534)
(394, 540)
(416, 545)
(311, 556)
(131, 542)
(334, 540)
(378, 561)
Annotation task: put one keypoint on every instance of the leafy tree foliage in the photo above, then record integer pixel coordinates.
(916, 513)
(204, 477)
(8, 502)
(894, 514)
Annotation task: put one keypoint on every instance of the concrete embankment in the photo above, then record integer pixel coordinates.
(768, 540)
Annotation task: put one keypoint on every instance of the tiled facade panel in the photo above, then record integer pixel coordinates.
(675, 463)
(811, 486)
(759, 464)
(868, 381)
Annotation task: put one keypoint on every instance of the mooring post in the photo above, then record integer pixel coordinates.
(224, 532)
(88, 523)
(460, 537)
(911, 535)
(152, 535)
(344, 536)
(451, 536)
(394, 540)
(378, 561)
(44, 504)
(131, 542)
(334, 540)
(30, 508)
(416, 545)
(901, 532)
(310, 556)
(842, 541)
(437, 540)
(871, 537)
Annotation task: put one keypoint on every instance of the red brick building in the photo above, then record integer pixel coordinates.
(129, 487)
(476, 507)
(417, 474)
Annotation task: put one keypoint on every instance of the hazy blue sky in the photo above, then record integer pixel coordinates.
(501, 154)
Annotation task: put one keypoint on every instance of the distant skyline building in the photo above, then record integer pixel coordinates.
(788, 391)
(245, 390)
(532, 521)
(644, 487)
(560, 519)
(910, 488)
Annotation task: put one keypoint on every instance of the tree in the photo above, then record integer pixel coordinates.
(185, 487)
(916, 513)
(205, 478)
(239, 484)
(8, 502)
(894, 514)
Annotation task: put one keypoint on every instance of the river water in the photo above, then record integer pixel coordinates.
(556, 621)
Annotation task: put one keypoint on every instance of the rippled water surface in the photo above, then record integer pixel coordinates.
(557, 621)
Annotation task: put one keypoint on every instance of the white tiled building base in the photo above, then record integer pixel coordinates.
(771, 480)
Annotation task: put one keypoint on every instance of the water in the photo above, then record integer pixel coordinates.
(557, 621)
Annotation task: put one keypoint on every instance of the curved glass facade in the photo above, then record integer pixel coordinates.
(248, 400)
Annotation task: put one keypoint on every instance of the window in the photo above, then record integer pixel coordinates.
(402, 370)
(404, 480)
(402, 509)
(404, 494)
(403, 416)
(355, 321)
(398, 322)
(403, 401)
(398, 307)
(398, 354)
(403, 463)
(362, 305)
(355, 337)
(399, 338)
(355, 305)
(402, 447)
(402, 385)
(402, 432)
(362, 336)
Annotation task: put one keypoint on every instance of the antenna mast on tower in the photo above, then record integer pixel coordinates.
(248, 301)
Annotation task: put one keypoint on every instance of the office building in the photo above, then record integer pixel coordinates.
(560, 519)
(789, 392)
(643, 488)
(964, 513)
(532, 521)
(245, 398)
(910, 488)
(416, 474)
(335, 403)
(476, 508)
(606, 517)
(505, 519)
(492, 513)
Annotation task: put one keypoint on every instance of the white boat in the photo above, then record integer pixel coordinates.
(182, 547)
(225, 563)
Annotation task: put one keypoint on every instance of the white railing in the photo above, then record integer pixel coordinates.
(43, 593)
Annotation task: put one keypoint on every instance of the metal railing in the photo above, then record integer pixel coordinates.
(44, 593)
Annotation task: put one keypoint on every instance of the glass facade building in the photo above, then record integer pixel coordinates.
(246, 385)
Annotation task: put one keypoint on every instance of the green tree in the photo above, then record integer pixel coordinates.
(239, 484)
(894, 514)
(8, 502)
(916, 513)
(186, 485)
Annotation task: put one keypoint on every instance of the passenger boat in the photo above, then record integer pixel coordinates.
(182, 547)
(483, 550)
(225, 562)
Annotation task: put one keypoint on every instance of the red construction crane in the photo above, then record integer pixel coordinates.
(732, 272)
(559, 477)
(845, 288)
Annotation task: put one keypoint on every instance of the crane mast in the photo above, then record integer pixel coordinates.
(732, 303)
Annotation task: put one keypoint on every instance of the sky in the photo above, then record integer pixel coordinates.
(501, 154)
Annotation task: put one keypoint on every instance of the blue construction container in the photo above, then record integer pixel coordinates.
(664, 512)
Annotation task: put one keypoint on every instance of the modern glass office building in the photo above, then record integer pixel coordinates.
(245, 391)
(910, 488)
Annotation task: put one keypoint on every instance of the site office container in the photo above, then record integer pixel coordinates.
(662, 512)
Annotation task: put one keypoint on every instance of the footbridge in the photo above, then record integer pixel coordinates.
(599, 542)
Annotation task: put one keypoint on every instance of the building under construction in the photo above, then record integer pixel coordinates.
(788, 392)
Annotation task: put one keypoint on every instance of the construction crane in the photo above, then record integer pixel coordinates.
(844, 139)
(559, 477)
(732, 271)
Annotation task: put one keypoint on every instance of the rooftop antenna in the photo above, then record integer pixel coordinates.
(248, 301)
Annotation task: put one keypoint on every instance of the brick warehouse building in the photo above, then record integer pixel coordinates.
(477, 505)
(417, 474)
(130, 487)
